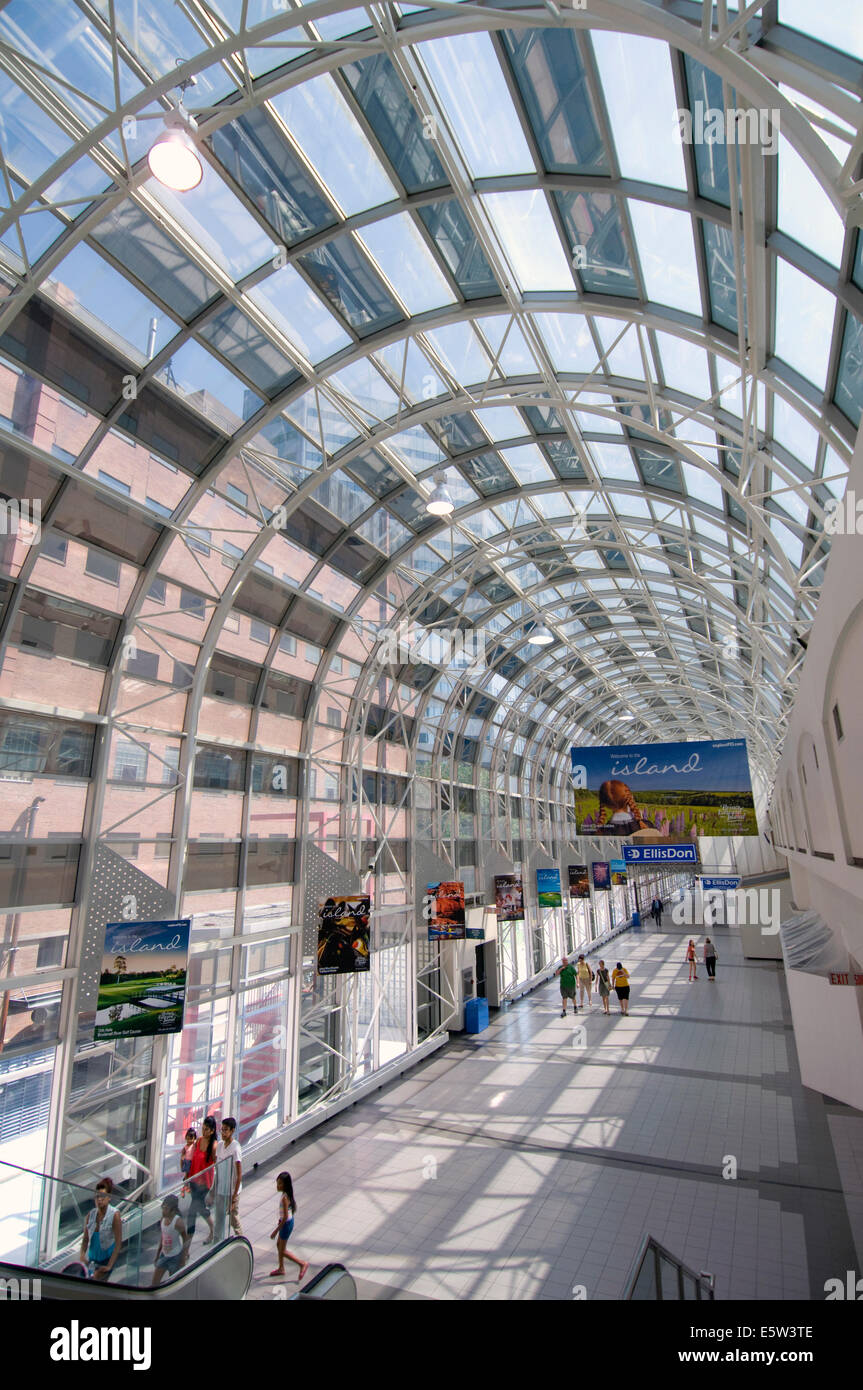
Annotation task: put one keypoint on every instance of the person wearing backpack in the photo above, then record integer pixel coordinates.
(567, 986)
(710, 959)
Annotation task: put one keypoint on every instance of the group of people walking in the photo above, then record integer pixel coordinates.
(710, 956)
(582, 977)
(212, 1172)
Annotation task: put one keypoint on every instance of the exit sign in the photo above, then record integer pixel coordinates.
(845, 978)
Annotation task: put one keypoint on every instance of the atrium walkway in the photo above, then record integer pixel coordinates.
(530, 1161)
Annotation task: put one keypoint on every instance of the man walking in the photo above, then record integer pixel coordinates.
(656, 910)
(229, 1175)
(567, 986)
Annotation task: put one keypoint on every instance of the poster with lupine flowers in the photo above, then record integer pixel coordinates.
(664, 791)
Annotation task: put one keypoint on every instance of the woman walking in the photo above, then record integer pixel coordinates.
(201, 1174)
(603, 984)
(620, 981)
(585, 980)
(282, 1234)
(690, 956)
(710, 959)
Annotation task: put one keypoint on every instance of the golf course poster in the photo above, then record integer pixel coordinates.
(664, 791)
(142, 984)
(548, 887)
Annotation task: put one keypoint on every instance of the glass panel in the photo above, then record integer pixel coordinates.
(667, 253)
(721, 275)
(804, 322)
(592, 223)
(407, 263)
(642, 129)
(849, 384)
(394, 120)
(150, 254)
(530, 239)
(553, 84)
(472, 90)
(343, 274)
(457, 243)
(805, 212)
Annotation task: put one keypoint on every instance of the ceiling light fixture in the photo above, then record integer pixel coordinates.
(174, 159)
(541, 637)
(440, 502)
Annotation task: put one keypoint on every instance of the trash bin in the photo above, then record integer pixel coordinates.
(475, 1015)
(636, 917)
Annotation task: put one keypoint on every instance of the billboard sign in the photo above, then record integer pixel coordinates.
(601, 875)
(343, 935)
(548, 887)
(443, 909)
(579, 881)
(509, 897)
(664, 791)
(725, 885)
(142, 983)
(618, 873)
(660, 854)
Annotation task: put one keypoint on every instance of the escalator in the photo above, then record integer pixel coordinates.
(223, 1274)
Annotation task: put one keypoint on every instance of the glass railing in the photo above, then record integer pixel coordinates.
(49, 1224)
(657, 1275)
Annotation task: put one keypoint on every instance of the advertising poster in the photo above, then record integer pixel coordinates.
(509, 897)
(664, 791)
(579, 881)
(142, 984)
(601, 875)
(343, 935)
(548, 887)
(618, 873)
(443, 909)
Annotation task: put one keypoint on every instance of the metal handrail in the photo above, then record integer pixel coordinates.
(651, 1248)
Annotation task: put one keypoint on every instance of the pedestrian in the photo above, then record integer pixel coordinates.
(567, 986)
(202, 1175)
(620, 981)
(710, 959)
(186, 1155)
(585, 980)
(690, 956)
(174, 1241)
(102, 1239)
(282, 1234)
(225, 1193)
(603, 984)
(656, 910)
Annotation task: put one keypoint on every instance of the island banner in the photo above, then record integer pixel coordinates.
(618, 873)
(664, 791)
(343, 935)
(548, 887)
(601, 875)
(579, 881)
(508, 898)
(443, 909)
(142, 984)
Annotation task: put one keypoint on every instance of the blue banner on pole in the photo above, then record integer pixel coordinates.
(660, 854)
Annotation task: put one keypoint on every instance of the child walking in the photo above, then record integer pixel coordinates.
(282, 1233)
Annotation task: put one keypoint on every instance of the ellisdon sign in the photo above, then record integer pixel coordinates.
(660, 854)
(723, 884)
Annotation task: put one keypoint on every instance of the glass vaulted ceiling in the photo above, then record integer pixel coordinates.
(431, 239)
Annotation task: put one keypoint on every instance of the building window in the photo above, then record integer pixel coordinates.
(159, 507)
(334, 718)
(182, 674)
(236, 494)
(313, 653)
(127, 845)
(130, 761)
(55, 547)
(157, 591)
(103, 567)
(233, 553)
(163, 845)
(192, 603)
(197, 538)
(145, 664)
(170, 763)
(232, 622)
(260, 632)
(116, 483)
(288, 644)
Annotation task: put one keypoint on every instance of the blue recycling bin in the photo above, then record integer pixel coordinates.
(636, 917)
(475, 1015)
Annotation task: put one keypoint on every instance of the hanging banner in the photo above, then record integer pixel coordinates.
(618, 873)
(601, 875)
(548, 887)
(579, 881)
(443, 909)
(509, 898)
(343, 935)
(664, 791)
(660, 854)
(142, 984)
(726, 885)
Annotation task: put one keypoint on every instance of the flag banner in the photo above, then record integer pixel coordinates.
(343, 935)
(618, 873)
(443, 909)
(509, 898)
(579, 881)
(142, 984)
(601, 875)
(664, 791)
(660, 854)
(548, 887)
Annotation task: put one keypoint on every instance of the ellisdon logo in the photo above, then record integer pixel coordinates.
(77, 1343)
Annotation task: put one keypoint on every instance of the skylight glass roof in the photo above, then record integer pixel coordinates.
(458, 245)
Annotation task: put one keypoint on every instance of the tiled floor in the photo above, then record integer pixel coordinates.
(530, 1161)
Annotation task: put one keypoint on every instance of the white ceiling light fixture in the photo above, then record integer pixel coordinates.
(440, 502)
(174, 159)
(541, 637)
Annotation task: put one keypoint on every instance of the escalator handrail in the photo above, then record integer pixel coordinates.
(177, 1282)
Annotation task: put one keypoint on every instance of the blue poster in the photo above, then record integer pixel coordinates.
(664, 791)
(142, 985)
(548, 887)
(618, 873)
